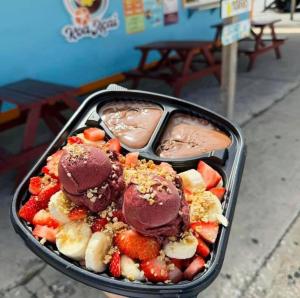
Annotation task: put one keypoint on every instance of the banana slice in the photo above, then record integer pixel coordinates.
(205, 206)
(59, 207)
(97, 248)
(72, 239)
(192, 180)
(183, 249)
(130, 269)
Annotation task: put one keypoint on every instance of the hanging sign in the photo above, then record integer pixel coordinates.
(134, 16)
(232, 8)
(170, 8)
(88, 19)
(236, 31)
(201, 4)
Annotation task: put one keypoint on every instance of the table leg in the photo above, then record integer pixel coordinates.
(31, 126)
(274, 38)
(71, 102)
(211, 62)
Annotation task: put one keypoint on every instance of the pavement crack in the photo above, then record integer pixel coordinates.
(268, 257)
(24, 279)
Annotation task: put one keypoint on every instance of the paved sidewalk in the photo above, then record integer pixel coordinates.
(263, 252)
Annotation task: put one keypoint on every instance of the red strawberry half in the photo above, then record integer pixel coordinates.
(137, 246)
(202, 248)
(43, 218)
(155, 270)
(78, 213)
(44, 232)
(207, 230)
(194, 268)
(218, 191)
(210, 176)
(29, 209)
(98, 224)
(35, 185)
(115, 265)
(45, 195)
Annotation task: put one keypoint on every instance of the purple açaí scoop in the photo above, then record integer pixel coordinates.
(89, 177)
(165, 217)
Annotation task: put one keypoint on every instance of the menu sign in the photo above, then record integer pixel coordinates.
(134, 16)
(235, 31)
(232, 8)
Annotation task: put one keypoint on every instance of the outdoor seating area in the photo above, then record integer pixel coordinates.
(141, 149)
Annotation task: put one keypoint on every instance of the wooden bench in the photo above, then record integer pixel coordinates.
(35, 100)
(257, 44)
(178, 63)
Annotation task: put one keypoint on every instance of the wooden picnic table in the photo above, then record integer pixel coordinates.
(36, 100)
(178, 63)
(257, 44)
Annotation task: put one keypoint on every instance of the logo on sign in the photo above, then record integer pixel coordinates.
(88, 19)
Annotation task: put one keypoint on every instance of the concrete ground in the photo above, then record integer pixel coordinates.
(262, 258)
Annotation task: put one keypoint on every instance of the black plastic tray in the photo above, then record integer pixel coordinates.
(229, 162)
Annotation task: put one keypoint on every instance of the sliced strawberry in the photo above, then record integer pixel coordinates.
(207, 230)
(29, 209)
(43, 218)
(137, 246)
(52, 162)
(119, 215)
(131, 159)
(219, 192)
(94, 134)
(175, 275)
(35, 185)
(46, 193)
(115, 265)
(114, 145)
(44, 232)
(155, 270)
(181, 264)
(98, 224)
(195, 267)
(210, 176)
(78, 213)
(202, 248)
(74, 140)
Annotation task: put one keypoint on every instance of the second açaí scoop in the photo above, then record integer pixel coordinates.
(165, 216)
(89, 177)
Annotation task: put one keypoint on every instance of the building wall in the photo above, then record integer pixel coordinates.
(32, 45)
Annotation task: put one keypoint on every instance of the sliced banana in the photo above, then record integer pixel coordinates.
(130, 269)
(183, 249)
(59, 207)
(97, 248)
(72, 239)
(205, 206)
(192, 180)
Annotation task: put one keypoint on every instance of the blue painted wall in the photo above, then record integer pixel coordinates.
(32, 45)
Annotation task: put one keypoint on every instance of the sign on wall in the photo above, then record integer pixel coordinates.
(134, 16)
(153, 10)
(232, 8)
(88, 19)
(170, 11)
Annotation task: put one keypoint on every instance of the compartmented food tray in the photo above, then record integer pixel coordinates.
(94, 112)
